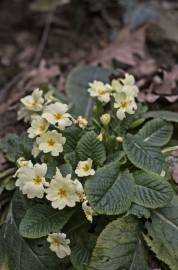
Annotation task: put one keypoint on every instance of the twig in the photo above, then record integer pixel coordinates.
(44, 39)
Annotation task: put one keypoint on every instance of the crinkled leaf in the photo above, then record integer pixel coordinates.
(15, 146)
(152, 191)
(143, 155)
(65, 169)
(78, 84)
(119, 247)
(90, 147)
(138, 211)
(157, 132)
(162, 234)
(165, 115)
(26, 254)
(72, 135)
(40, 220)
(71, 158)
(110, 191)
(82, 244)
(118, 155)
(29, 254)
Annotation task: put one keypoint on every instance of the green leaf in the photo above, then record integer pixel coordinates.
(162, 234)
(119, 247)
(131, 121)
(152, 191)
(138, 211)
(156, 132)
(110, 191)
(14, 147)
(72, 135)
(27, 254)
(71, 158)
(82, 244)
(143, 155)
(40, 220)
(118, 155)
(90, 147)
(2, 245)
(65, 169)
(78, 84)
(165, 115)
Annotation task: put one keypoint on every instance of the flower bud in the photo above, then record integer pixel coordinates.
(100, 137)
(82, 122)
(119, 139)
(105, 119)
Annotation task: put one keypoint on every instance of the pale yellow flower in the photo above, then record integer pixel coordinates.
(56, 114)
(51, 141)
(100, 90)
(84, 168)
(79, 190)
(49, 97)
(105, 119)
(124, 104)
(23, 114)
(82, 122)
(116, 85)
(35, 150)
(128, 80)
(31, 180)
(39, 125)
(34, 102)
(62, 191)
(88, 211)
(21, 163)
(59, 244)
(126, 85)
(100, 137)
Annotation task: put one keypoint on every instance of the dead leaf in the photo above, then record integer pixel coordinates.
(126, 49)
(163, 84)
(42, 74)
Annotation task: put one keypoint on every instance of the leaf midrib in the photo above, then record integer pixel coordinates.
(153, 134)
(169, 222)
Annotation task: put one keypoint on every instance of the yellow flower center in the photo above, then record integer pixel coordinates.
(56, 242)
(88, 214)
(101, 92)
(42, 127)
(86, 167)
(62, 193)
(58, 116)
(37, 180)
(34, 102)
(123, 104)
(51, 142)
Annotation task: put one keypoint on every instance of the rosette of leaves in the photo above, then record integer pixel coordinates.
(134, 203)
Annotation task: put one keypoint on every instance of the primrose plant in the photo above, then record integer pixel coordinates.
(98, 191)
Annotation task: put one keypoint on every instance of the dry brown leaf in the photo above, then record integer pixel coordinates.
(163, 84)
(42, 74)
(126, 49)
